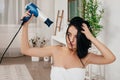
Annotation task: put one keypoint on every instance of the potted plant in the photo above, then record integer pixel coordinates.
(92, 12)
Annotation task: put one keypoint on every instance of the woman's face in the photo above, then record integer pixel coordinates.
(71, 37)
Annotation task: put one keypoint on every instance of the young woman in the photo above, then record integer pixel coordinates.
(70, 61)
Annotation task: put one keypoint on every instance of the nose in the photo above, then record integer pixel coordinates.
(72, 39)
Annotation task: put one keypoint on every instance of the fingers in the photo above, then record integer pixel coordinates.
(82, 31)
(84, 25)
(27, 14)
(85, 28)
(27, 18)
(31, 17)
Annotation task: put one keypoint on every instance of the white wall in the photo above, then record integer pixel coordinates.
(50, 9)
(62, 5)
(1, 5)
(47, 7)
(111, 36)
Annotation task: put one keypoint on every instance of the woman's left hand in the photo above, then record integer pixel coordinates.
(86, 31)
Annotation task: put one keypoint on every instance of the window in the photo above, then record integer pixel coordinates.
(74, 8)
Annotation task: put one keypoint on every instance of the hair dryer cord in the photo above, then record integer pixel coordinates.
(11, 42)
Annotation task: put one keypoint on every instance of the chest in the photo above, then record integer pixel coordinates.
(67, 61)
(60, 73)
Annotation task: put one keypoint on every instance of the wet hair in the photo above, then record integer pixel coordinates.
(83, 44)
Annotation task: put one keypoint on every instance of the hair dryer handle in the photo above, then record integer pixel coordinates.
(25, 19)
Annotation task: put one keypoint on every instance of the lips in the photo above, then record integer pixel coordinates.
(71, 44)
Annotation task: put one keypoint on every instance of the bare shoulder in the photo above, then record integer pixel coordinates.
(88, 58)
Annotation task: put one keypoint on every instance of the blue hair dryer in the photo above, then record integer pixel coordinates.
(33, 9)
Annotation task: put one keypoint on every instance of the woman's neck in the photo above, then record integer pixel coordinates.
(72, 51)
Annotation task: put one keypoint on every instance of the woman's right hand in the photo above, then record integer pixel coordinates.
(86, 31)
(26, 15)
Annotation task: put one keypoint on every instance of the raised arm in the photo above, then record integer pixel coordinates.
(106, 56)
(25, 48)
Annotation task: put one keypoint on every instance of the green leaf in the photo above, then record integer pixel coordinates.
(93, 15)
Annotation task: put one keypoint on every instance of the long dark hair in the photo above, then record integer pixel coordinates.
(83, 44)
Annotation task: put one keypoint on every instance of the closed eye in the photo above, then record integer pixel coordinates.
(68, 34)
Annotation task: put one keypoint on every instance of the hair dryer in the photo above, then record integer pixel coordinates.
(33, 9)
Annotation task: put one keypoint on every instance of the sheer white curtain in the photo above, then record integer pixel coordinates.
(10, 13)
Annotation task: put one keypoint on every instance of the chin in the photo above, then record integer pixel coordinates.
(72, 47)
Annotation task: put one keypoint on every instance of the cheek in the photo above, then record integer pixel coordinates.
(74, 42)
(67, 40)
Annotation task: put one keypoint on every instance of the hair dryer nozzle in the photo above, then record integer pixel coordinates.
(48, 22)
